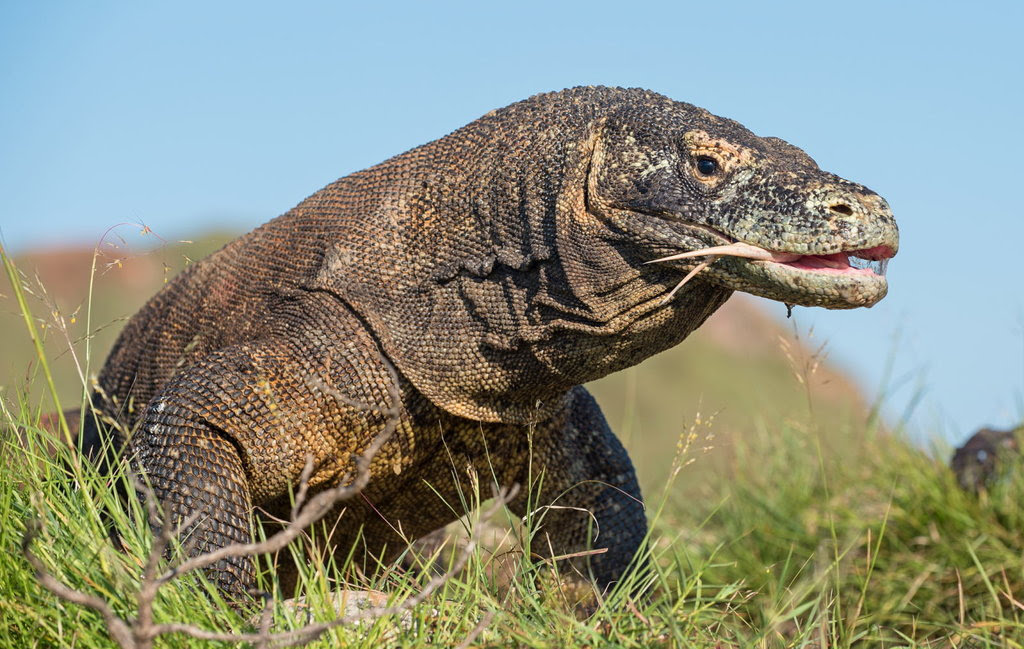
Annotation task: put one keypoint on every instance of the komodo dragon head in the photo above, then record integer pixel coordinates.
(757, 212)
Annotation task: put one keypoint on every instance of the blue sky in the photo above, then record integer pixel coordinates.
(191, 115)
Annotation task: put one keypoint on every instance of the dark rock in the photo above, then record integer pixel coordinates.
(983, 458)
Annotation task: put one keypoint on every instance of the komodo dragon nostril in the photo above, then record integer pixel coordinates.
(841, 208)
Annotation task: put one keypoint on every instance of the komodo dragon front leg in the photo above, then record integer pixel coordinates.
(234, 432)
(589, 498)
(578, 490)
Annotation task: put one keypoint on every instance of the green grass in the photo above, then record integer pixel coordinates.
(812, 530)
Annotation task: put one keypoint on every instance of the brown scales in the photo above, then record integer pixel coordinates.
(497, 269)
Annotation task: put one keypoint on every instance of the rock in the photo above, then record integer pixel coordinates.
(983, 458)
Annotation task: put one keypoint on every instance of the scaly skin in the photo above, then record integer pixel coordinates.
(497, 269)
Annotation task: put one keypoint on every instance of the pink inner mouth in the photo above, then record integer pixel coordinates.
(866, 262)
(839, 263)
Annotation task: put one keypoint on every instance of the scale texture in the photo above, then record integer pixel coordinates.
(496, 270)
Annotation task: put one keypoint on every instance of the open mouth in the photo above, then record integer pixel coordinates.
(866, 262)
(870, 261)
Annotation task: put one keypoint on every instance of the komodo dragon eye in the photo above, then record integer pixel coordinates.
(707, 166)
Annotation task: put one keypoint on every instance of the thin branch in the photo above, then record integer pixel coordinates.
(139, 633)
(311, 632)
(119, 630)
(484, 622)
(303, 491)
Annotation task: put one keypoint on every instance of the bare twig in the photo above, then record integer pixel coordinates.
(484, 622)
(119, 630)
(266, 619)
(311, 632)
(139, 633)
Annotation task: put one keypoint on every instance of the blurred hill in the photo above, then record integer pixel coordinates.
(743, 371)
(122, 272)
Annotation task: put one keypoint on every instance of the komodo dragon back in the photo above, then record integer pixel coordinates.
(496, 269)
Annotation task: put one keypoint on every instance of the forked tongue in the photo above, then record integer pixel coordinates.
(860, 260)
(738, 249)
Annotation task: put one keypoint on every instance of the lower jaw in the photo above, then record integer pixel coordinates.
(829, 288)
(849, 271)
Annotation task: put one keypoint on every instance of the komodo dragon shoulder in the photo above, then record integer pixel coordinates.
(496, 269)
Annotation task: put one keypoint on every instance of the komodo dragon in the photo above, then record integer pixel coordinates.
(496, 270)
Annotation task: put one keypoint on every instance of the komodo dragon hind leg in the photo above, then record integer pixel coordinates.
(589, 497)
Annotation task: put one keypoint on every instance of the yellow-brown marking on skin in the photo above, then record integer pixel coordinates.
(593, 158)
(654, 168)
(729, 155)
(701, 141)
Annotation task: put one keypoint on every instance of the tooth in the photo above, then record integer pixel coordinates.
(877, 266)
